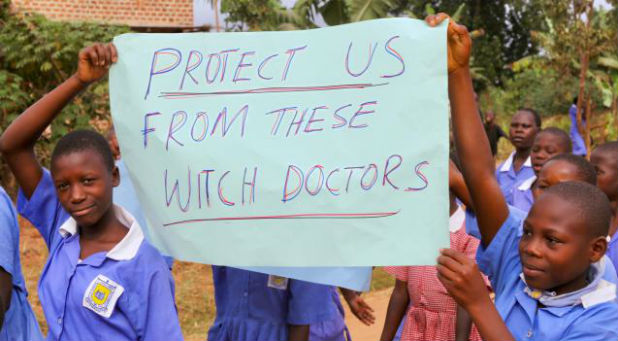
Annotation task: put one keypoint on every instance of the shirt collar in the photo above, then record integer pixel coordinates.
(456, 220)
(527, 184)
(508, 163)
(125, 249)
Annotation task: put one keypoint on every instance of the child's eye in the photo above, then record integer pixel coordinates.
(62, 187)
(87, 181)
(552, 240)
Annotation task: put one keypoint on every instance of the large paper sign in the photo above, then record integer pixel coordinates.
(325, 147)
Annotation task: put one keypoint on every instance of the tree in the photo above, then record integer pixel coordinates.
(578, 35)
(37, 54)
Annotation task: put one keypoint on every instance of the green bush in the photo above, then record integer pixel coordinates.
(36, 55)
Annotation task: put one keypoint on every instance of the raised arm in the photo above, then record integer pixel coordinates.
(470, 139)
(457, 185)
(17, 142)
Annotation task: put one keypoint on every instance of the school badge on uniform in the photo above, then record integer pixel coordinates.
(101, 296)
(277, 282)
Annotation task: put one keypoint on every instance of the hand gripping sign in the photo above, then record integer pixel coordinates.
(324, 147)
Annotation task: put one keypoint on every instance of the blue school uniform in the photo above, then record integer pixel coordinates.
(579, 146)
(508, 178)
(125, 196)
(256, 306)
(333, 329)
(19, 320)
(126, 293)
(522, 195)
(587, 314)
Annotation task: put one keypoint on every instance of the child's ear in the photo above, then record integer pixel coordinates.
(115, 177)
(598, 248)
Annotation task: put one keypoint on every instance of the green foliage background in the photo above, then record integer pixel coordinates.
(36, 55)
(526, 55)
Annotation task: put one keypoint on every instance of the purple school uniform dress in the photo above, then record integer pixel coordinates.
(589, 313)
(19, 320)
(333, 329)
(522, 194)
(508, 178)
(126, 293)
(256, 306)
(579, 146)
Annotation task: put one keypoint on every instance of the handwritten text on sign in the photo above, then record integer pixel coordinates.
(303, 148)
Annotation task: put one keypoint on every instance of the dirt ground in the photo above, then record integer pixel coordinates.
(378, 300)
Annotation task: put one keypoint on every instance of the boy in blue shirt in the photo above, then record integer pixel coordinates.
(102, 280)
(550, 276)
(17, 320)
(518, 167)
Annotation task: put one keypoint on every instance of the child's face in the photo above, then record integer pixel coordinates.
(545, 146)
(552, 173)
(606, 166)
(84, 185)
(522, 130)
(556, 249)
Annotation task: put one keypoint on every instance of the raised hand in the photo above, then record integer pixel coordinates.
(458, 42)
(94, 62)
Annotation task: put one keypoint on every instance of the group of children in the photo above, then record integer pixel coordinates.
(531, 253)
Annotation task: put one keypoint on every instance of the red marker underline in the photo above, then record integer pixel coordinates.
(290, 216)
(187, 94)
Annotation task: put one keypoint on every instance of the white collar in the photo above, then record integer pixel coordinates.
(125, 249)
(527, 184)
(509, 162)
(604, 292)
(456, 220)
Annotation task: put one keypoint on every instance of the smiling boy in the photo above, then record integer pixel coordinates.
(550, 277)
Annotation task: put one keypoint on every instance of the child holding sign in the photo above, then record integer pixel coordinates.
(432, 314)
(548, 269)
(102, 280)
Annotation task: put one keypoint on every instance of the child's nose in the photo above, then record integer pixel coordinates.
(77, 194)
(532, 248)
